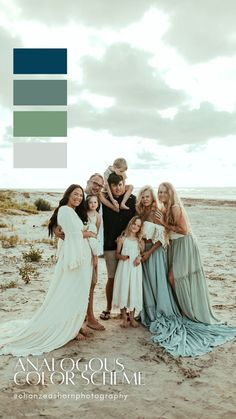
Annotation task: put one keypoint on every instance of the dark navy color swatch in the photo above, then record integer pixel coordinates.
(40, 61)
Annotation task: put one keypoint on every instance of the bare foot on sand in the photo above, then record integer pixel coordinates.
(133, 323)
(84, 331)
(95, 325)
(80, 337)
(124, 323)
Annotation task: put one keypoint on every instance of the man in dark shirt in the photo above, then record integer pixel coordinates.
(114, 223)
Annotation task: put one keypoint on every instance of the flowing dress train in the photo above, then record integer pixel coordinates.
(179, 335)
(62, 313)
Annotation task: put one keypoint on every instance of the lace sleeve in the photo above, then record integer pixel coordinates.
(154, 232)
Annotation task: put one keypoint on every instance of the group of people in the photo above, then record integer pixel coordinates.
(155, 273)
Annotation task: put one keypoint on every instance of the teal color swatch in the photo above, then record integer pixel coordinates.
(40, 92)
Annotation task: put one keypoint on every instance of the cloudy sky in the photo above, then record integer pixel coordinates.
(151, 81)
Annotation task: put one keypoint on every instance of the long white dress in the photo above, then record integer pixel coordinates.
(62, 313)
(127, 290)
(94, 244)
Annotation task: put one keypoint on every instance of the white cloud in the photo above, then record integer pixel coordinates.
(143, 82)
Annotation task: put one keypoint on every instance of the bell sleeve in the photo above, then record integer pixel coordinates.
(154, 232)
(72, 248)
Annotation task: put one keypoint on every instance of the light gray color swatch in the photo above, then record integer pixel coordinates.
(40, 155)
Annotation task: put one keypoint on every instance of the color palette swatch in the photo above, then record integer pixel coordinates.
(40, 124)
(39, 92)
(40, 61)
(40, 155)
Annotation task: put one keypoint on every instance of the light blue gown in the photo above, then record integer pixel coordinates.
(177, 334)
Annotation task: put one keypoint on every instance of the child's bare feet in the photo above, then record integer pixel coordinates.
(123, 206)
(124, 323)
(133, 323)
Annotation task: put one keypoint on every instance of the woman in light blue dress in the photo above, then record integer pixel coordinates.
(171, 328)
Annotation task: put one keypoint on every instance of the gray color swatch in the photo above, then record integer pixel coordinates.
(40, 92)
(40, 155)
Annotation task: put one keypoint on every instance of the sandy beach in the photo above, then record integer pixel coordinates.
(166, 387)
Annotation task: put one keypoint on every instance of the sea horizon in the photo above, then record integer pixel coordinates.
(220, 193)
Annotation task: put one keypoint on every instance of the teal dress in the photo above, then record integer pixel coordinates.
(177, 334)
(190, 281)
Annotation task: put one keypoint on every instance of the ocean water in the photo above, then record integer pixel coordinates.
(224, 194)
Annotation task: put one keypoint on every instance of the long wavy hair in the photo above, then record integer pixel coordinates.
(139, 235)
(143, 211)
(80, 210)
(173, 199)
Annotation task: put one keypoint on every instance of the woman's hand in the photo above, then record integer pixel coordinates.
(87, 234)
(145, 256)
(59, 232)
(124, 257)
(159, 217)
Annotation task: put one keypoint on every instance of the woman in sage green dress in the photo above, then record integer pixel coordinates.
(170, 323)
(185, 268)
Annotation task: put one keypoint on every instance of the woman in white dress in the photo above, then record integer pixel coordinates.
(62, 313)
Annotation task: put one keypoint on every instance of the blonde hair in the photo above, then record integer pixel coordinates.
(173, 200)
(139, 235)
(120, 163)
(140, 208)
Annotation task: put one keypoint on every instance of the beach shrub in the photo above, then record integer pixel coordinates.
(42, 205)
(26, 195)
(3, 225)
(11, 284)
(7, 203)
(33, 255)
(27, 272)
(24, 206)
(51, 242)
(10, 241)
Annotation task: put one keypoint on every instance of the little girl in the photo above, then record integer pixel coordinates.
(94, 222)
(119, 167)
(127, 291)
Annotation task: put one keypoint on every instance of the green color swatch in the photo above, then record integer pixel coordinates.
(40, 124)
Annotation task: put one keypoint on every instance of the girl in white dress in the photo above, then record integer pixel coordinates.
(127, 291)
(62, 313)
(94, 222)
